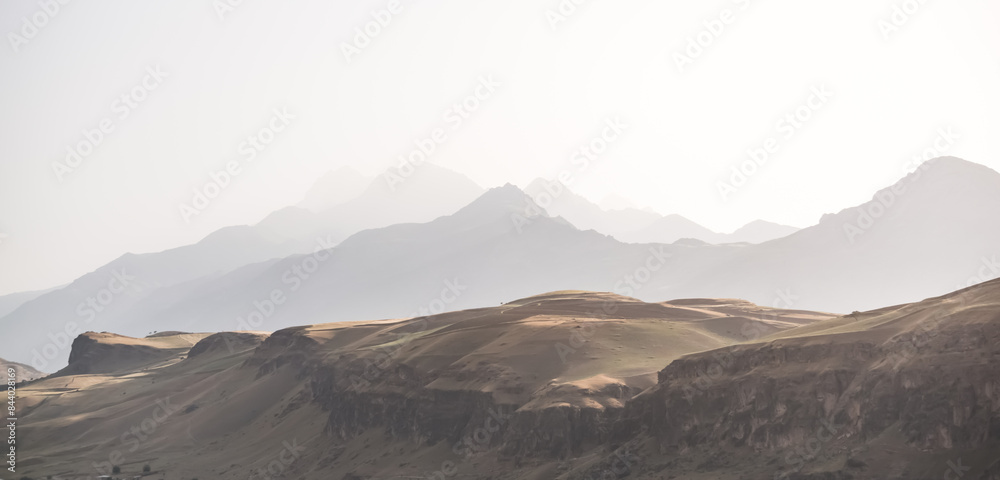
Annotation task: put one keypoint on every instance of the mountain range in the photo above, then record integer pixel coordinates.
(568, 385)
(439, 243)
(633, 225)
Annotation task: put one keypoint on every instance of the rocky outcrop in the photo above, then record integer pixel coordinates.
(943, 395)
(284, 347)
(97, 353)
(934, 385)
(227, 343)
(903, 392)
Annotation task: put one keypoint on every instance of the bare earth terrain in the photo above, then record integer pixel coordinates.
(566, 385)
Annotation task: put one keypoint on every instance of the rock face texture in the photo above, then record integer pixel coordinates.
(925, 377)
(97, 353)
(227, 343)
(546, 388)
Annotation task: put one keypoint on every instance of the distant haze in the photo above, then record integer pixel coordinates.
(203, 80)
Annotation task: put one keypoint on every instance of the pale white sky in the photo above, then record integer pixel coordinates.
(609, 59)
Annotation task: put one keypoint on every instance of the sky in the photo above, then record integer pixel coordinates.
(114, 114)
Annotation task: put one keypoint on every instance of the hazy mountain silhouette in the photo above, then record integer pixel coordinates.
(560, 201)
(430, 192)
(633, 225)
(43, 321)
(669, 229)
(503, 246)
(616, 202)
(485, 253)
(334, 188)
(935, 230)
(500, 252)
(11, 301)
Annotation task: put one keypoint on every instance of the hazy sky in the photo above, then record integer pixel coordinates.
(197, 85)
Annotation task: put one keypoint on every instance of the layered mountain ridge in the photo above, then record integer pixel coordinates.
(503, 245)
(566, 385)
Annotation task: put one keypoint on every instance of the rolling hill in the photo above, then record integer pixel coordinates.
(564, 385)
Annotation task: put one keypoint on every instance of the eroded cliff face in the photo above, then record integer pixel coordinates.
(777, 396)
(904, 392)
(98, 353)
(226, 343)
(932, 389)
(927, 387)
(770, 399)
(395, 399)
(284, 348)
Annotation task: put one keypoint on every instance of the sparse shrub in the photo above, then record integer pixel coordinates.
(145, 468)
(116, 469)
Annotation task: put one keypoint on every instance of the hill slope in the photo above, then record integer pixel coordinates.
(556, 386)
(352, 393)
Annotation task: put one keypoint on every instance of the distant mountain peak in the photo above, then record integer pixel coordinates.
(335, 187)
(946, 167)
(507, 200)
(506, 196)
(941, 186)
(409, 178)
